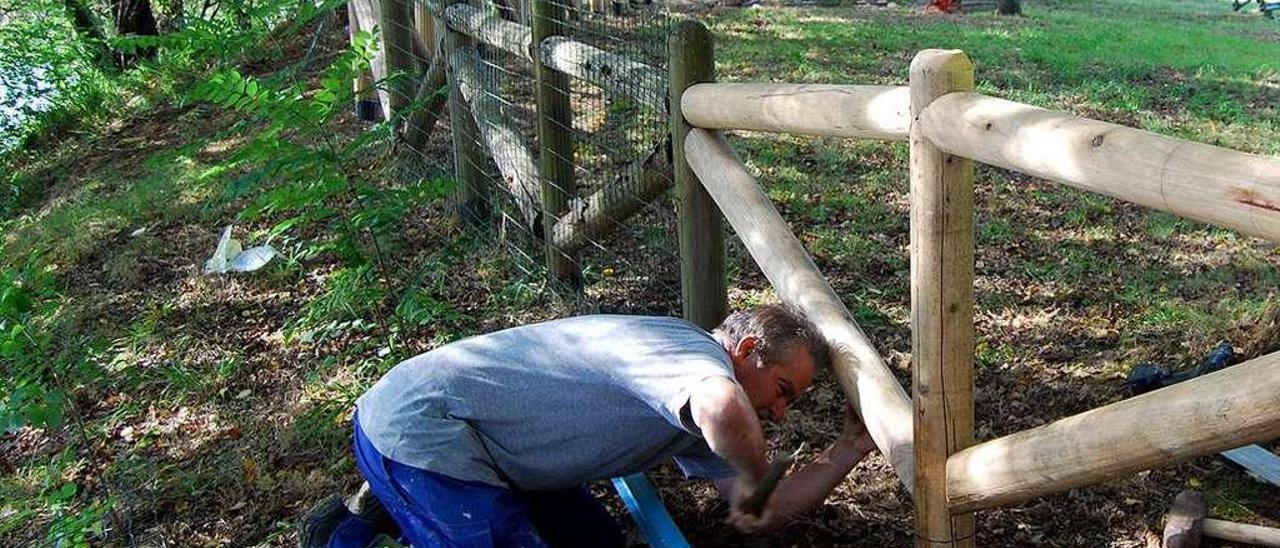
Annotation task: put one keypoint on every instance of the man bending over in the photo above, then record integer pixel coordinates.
(490, 441)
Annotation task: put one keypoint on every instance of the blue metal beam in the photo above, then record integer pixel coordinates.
(651, 516)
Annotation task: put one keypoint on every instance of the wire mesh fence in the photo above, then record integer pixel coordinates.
(618, 229)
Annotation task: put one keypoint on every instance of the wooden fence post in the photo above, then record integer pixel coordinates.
(397, 49)
(471, 196)
(367, 107)
(425, 24)
(941, 303)
(555, 139)
(703, 281)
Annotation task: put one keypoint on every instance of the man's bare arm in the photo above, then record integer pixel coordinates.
(808, 487)
(721, 410)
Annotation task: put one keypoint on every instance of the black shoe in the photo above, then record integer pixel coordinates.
(320, 523)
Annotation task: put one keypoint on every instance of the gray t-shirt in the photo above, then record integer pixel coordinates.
(551, 405)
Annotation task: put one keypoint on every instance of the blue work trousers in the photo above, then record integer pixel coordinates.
(434, 510)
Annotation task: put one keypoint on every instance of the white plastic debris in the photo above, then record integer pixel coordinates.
(229, 257)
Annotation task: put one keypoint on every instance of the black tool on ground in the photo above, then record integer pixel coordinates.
(1265, 7)
(1150, 376)
(1260, 463)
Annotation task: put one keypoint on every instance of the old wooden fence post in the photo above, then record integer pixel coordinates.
(941, 302)
(367, 107)
(397, 50)
(703, 282)
(555, 139)
(471, 196)
(425, 24)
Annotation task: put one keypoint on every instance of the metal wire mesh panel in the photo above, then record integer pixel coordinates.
(620, 136)
(499, 88)
(618, 228)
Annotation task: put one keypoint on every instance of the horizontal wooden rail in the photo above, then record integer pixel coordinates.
(1233, 407)
(593, 216)
(618, 74)
(1211, 184)
(866, 380)
(490, 29)
(1242, 533)
(869, 112)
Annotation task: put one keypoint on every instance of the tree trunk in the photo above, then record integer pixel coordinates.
(1009, 7)
(240, 11)
(177, 14)
(134, 18)
(87, 28)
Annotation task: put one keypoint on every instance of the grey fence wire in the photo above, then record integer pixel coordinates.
(632, 265)
(615, 132)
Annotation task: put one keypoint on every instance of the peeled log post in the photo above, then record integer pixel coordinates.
(367, 107)
(1210, 184)
(555, 142)
(428, 100)
(1237, 406)
(505, 143)
(703, 279)
(369, 14)
(472, 197)
(397, 51)
(490, 29)
(942, 346)
(863, 375)
(593, 216)
(425, 23)
(867, 112)
(615, 73)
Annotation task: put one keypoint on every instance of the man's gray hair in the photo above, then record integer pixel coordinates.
(778, 327)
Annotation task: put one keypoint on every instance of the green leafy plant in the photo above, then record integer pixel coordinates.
(308, 184)
(27, 381)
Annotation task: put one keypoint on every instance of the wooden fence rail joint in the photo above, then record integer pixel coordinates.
(861, 372)
(928, 438)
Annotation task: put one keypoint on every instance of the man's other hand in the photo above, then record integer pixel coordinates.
(855, 432)
(748, 523)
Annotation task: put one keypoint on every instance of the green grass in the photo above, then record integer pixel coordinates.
(1198, 60)
(1189, 69)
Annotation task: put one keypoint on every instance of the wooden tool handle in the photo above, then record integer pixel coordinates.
(754, 504)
